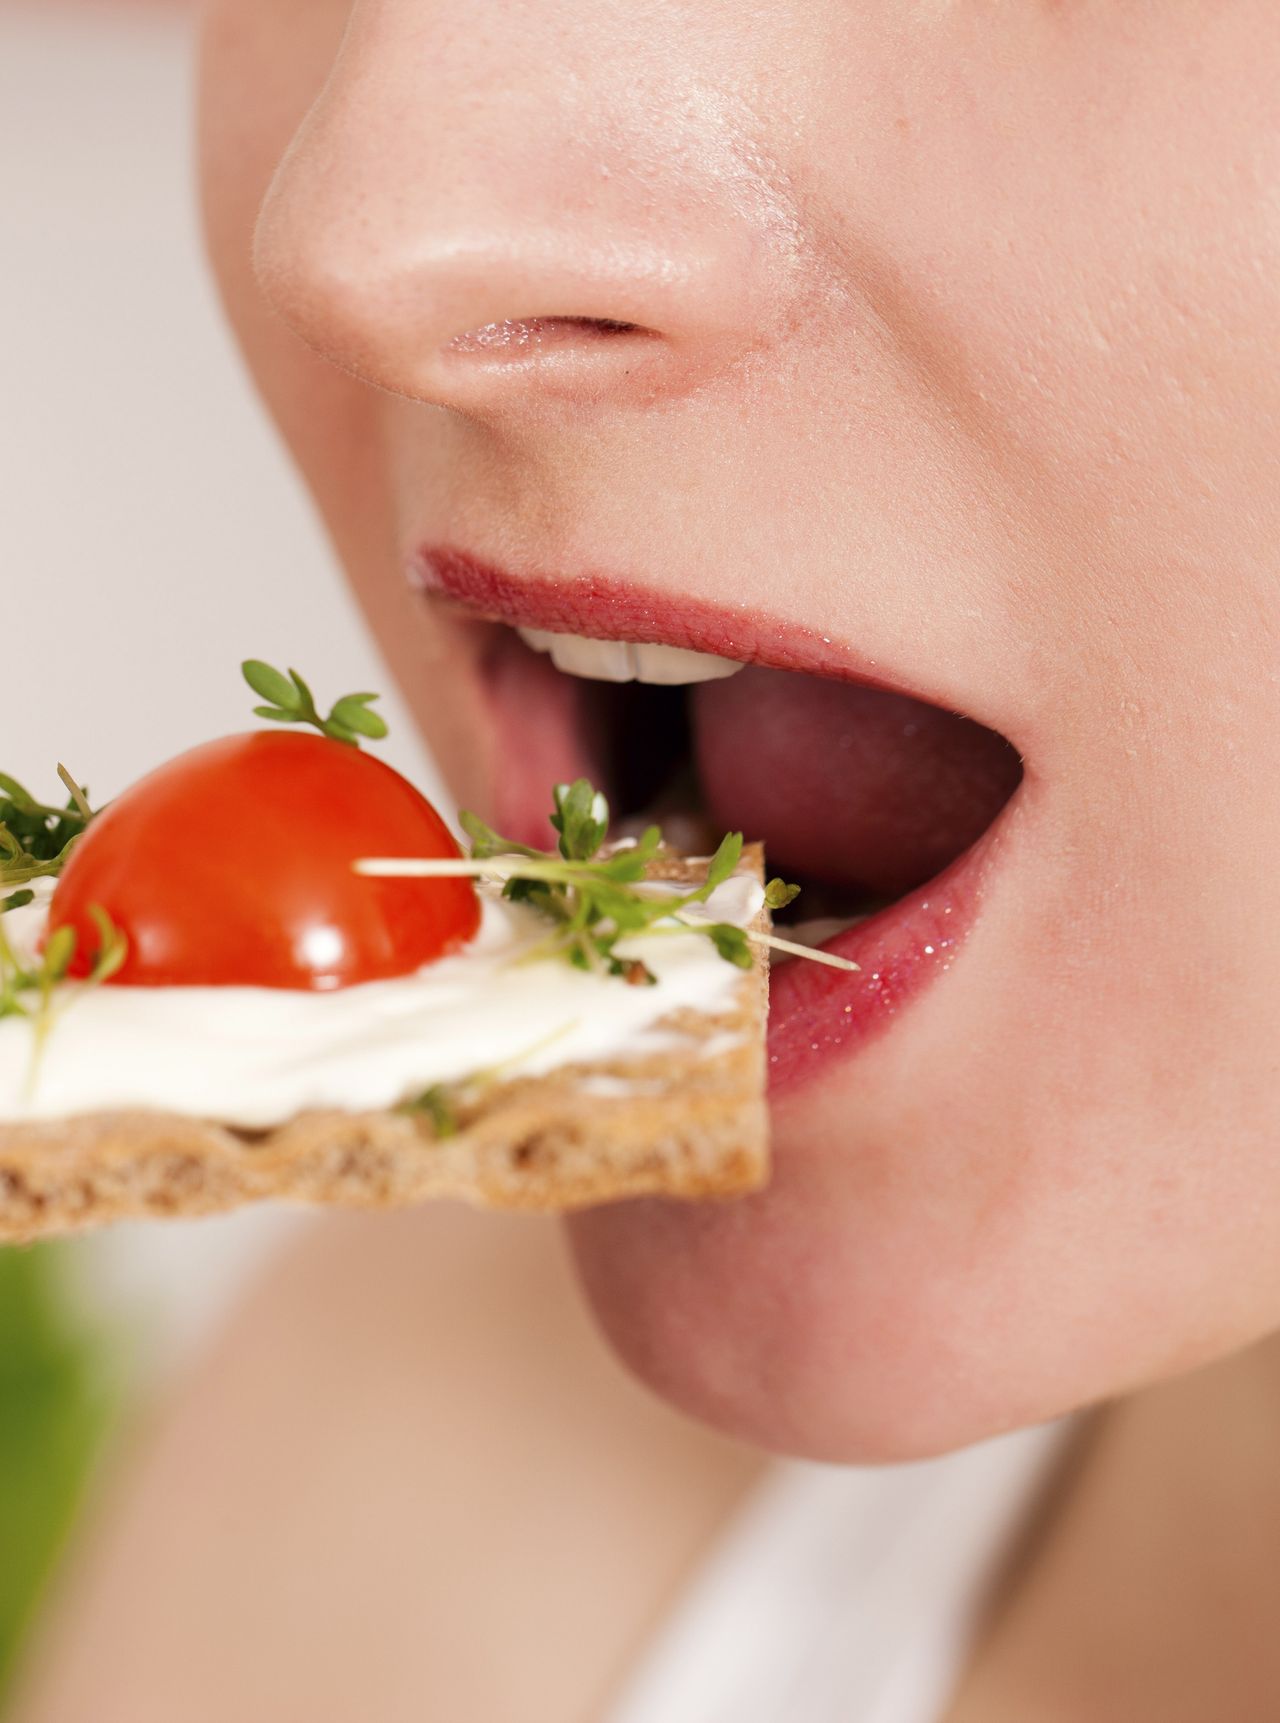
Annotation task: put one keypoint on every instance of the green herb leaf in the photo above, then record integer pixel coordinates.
(353, 711)
(730, 942)
(724, 861)
(778, 894)
(486, 843)
(292, 702)
(36, 837)
(437, 1105)
(484, 840)
(13, 791)
(62, 1381)
(303, 699)
(79, 795)
(270, 684)
(113, 947)
(59, 949)
(581, 817)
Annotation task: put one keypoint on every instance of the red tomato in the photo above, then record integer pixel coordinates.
(231, 866)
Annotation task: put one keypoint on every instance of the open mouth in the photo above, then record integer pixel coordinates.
(875, 802)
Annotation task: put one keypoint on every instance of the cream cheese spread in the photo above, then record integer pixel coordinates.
(254, 1056)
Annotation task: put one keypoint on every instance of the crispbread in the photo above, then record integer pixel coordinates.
(690, 1122)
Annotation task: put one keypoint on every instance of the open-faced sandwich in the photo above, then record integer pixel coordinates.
(267, 969)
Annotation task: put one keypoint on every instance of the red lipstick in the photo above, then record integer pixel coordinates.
(818, 1015)
(602, 607)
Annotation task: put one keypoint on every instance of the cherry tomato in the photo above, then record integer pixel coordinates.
(231, 866)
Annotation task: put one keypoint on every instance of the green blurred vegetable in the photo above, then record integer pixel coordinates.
(57, 1396)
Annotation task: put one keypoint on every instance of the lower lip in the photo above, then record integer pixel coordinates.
(819, 1016)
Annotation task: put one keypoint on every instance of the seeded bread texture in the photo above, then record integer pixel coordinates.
(688, 1122)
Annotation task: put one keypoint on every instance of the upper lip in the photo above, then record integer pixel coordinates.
(599, 606)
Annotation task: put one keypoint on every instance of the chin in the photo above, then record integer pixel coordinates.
(803, 1324)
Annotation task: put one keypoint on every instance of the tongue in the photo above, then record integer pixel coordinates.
(848, 785)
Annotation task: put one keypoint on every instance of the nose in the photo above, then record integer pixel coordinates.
(480, 218)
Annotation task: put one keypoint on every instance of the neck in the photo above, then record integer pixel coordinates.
(1151, 1585)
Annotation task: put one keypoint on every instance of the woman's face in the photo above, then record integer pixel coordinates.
(948, 368)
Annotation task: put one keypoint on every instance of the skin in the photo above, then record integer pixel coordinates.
(966, 317)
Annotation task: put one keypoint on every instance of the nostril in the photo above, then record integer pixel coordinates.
(517, 337)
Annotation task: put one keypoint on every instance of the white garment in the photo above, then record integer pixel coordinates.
(842, 1594)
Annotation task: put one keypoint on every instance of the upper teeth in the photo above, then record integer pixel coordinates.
(626, 660)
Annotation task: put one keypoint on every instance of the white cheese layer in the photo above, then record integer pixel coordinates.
(254, 1056)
